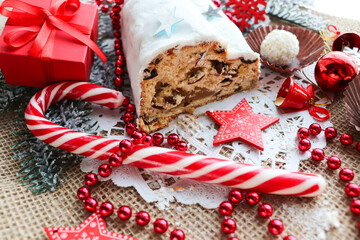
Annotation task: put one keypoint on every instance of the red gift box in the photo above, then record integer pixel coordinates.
(65, 54)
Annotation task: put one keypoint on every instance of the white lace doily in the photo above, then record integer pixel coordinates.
(198, 130)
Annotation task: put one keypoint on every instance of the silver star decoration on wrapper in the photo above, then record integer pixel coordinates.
(211, 13)
(168, 22)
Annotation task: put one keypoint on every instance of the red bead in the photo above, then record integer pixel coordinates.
(358, 146)
(104, 170)
(177, 234)
(118, 47)
(315, 129)
(303, 133)
(217, 3)
(352, 190)
(233, 238)
(157, 138)
(228, 226)
(225, 208)
(334, 162)
(290, 237)
(181, 146)
(116, 8)
(173, 139)
(105, 8)
(346, 175)
(235, 196)
(128, 117)
(116, 27)
(142, 218)
(160, 225)
(91, 179)
(119, 71)
(318, 154)
(330, 133)
(118, 81)
(346, 139)
(252, 198)
(126, 101)
(120, 63)
(137, 137)
(276, 226)
(115, 160)
(130, 128)
(265, 210)
(355, 206)
(147, 140)
(90, 204)
(99, 2)
(106, 209)
(117, 41)
(124, 213)
(126, 146)
(83, 193)
(119, 52)
(117, 34)
(228, 14)
(358, 224)
(130, 108)
(304, 145)
(119, 1)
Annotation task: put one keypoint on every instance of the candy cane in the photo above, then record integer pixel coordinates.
(158, 159)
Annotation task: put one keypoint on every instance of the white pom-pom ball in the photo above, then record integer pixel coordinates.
(279, 47)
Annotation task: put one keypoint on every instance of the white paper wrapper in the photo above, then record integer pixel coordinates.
(352, 102)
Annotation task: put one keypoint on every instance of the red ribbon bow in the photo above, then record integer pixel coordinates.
(38, 24)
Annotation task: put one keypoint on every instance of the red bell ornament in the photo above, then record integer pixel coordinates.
(335, 70)
(294, 98)
(343, 40)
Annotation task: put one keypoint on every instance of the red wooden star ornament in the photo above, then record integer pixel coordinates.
(93, 228)
(241, 123)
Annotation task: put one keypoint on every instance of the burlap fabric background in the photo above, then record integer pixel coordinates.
(23, 215)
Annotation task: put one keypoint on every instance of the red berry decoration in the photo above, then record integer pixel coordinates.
(228, 226)
(330, 133)
(265, 210)
(126, 146)
(352, 190)
(334, 162)
(318, 154)
(124, 213)
(115, 160)
(235, 196)
(128, 117)
(104, 170)
(335, 70)
(355, 206)
(90, 204)
(304, 145)
(346, 139)
(177, 234)
(142, 218)
(126, 101)
(106, 209)
(137, 137)
(346, 175)
(290, 237)
(225, 208)
(276, 226)
(160, 225)
(173, 139)
(181, 146)
(130, 128)
(315, 129)
(303, 133)
(157, 139)
(83, 193)
(252, 198)
(91, 179)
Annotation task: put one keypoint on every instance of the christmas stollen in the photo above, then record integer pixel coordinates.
(183, 54)
(164, 160)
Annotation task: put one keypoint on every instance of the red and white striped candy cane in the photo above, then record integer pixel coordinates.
(158, 159)
(69, 140)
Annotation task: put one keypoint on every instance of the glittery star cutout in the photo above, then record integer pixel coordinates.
(93, 228)
(167, 23)
(211, 12)
(241, 123)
